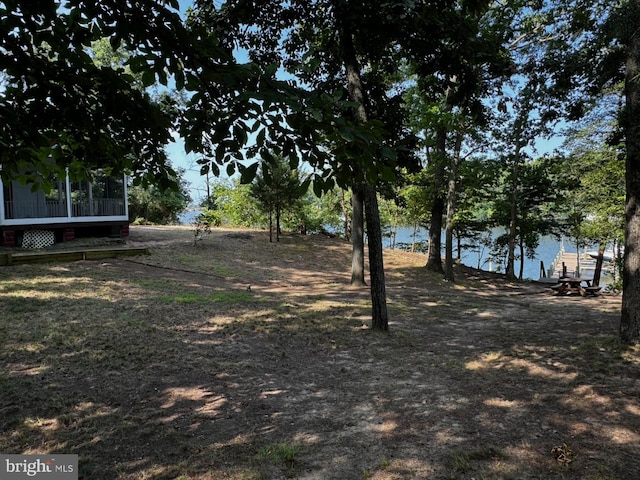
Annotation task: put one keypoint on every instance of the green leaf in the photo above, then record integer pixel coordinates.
(262, 134)
(231, 169)
(271, 69)
(220, 153)
(247, 174)
(266, 173)
(317, 188)
(148, 78)
(304, 187)
(266, 155)
(389, 153)
(316, 114)
(346, 134)
(294, 161)
(240, 134)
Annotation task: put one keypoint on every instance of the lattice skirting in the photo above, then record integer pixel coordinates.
(38, 238)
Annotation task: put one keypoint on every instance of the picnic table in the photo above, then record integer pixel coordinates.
(572, 285)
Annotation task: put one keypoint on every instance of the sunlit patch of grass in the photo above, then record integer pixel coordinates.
(486, 360)
(285, 453)
(218, 297)
(281, 456)
(223, 271)
(154, 283)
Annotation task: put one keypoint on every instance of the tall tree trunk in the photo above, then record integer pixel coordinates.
(510, 271)
(394, 232)
(434, 255)
(346, 217)
(380, 320)
(597, 273)
(630, 318)
(278, 224)
(380, 315)
(270, 225)
(413, 237)
(521, 246)
(357, 236)
(451, 207)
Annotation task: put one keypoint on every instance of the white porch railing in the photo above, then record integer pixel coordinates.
(105, 207)
(27, 209)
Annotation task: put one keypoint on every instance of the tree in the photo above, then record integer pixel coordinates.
(629, 38)
(237, 207)
(319, 41)
(450, 83)
(530, 213)
(276, 188)
(156, 205)
(597, 169)
(340, 108)
(357, 235)
(415, 199)
(456, 158)
(59, 109)
(596, 46)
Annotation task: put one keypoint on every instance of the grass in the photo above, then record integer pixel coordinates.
(285, 453)
(162, 373)
(220, 297)
(465, 461)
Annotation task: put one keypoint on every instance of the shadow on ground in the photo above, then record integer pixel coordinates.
(164, 367)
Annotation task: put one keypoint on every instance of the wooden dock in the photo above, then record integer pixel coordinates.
(569, 262)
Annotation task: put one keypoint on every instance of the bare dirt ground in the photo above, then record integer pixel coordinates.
(240, 359)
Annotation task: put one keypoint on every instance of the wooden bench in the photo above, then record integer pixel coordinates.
(592, 290)
(559, 289)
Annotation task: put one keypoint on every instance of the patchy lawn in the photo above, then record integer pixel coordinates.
(241, 359)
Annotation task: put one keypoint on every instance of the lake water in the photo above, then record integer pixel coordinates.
(479, 257)
(188, 216)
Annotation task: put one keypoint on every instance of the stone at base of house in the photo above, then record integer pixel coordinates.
(119, 231)
(68, 234)
(8, 238)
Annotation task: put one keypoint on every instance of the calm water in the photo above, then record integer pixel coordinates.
(479, 257)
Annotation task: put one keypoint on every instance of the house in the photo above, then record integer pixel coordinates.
(69, 210)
